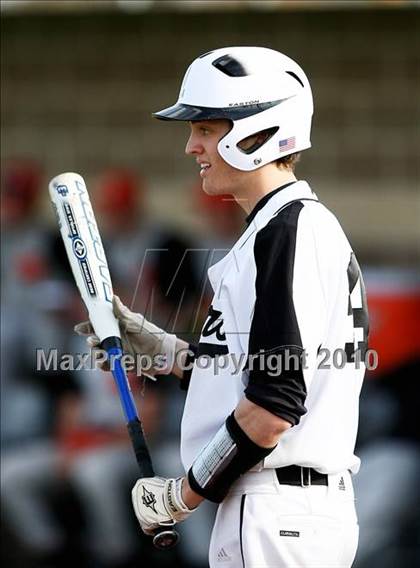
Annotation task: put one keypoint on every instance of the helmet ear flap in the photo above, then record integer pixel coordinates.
(253, 142)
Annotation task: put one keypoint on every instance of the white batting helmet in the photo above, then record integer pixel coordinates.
(258, 89)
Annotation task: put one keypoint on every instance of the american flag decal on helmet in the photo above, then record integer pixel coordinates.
(287, 144)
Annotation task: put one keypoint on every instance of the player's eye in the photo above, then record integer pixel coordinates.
(204, 130)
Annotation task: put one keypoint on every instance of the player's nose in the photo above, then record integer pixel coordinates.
(193, 146)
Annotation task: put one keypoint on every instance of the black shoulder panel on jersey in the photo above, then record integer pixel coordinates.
(274, 334)
(274, 322)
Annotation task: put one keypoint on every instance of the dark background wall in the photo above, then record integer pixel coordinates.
(78, 92)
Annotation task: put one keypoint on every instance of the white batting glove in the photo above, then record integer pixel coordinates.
(158, 502)
(138, 337)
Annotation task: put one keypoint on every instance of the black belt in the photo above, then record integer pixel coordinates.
(303, 476)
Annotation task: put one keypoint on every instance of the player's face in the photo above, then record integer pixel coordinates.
(218, 177)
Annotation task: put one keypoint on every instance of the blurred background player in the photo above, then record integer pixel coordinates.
(62, 434)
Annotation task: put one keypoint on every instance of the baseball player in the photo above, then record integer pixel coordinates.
(271, 413)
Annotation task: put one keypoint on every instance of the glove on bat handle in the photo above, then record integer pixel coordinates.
(164, 537)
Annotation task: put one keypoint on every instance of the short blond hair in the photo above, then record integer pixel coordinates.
(289, 161)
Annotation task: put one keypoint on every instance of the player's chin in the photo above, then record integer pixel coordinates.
(212, 188)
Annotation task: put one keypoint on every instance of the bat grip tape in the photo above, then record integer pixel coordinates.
(144, 462)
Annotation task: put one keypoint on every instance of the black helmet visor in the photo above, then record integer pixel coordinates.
(181, 111)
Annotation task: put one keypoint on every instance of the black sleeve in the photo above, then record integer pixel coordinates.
(186, 377)
(276, 361)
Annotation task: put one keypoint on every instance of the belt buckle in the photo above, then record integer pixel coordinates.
(305, 483)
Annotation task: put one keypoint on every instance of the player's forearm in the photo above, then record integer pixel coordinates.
(190, 497)
(260, 425)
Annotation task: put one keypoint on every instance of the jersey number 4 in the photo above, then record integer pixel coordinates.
(357, 308)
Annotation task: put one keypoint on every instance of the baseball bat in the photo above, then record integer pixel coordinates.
(82, 240)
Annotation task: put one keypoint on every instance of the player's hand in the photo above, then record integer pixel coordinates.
(158, 502)
(139, 338)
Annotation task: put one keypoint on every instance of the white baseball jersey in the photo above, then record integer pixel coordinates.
(290, 286)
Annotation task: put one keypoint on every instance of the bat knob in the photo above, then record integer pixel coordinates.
(165, 539)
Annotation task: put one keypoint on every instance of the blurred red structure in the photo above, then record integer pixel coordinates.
(21, 182)
(119, 193)
(394, 325)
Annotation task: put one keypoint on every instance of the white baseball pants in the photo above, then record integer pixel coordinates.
(262, 524)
